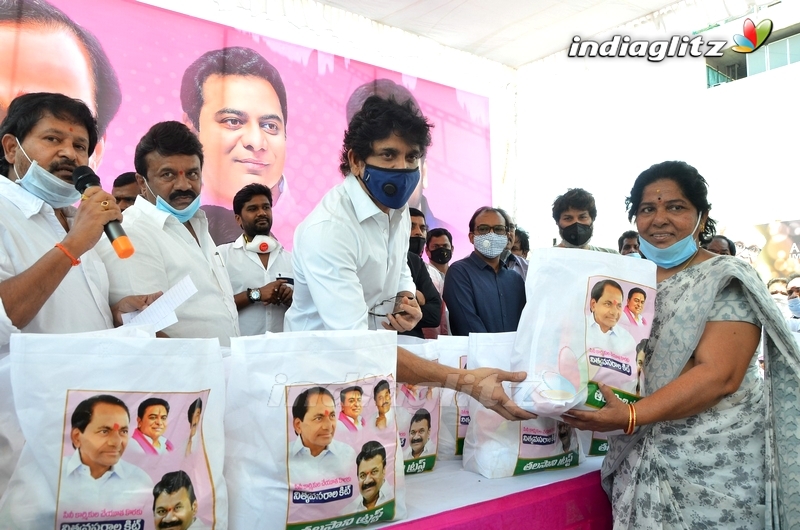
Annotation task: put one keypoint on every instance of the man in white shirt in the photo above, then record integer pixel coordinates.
(350, 253)
(51, 280)
(315, 456)
(607, 342)
(175, 503)
(151, 421)
(170, 235)
(384, 417)
(95, 477)
(259, 267)
(419, 433)
(375, 491)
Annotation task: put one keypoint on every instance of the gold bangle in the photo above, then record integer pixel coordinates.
(634, 418)
(630, 420)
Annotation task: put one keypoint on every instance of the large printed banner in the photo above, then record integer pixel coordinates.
(265, 110)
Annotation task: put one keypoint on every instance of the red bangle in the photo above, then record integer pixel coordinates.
(75, 261)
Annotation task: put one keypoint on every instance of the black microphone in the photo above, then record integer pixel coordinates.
(84, 177)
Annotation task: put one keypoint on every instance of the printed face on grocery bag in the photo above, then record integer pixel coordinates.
(340, 458)
(418, 426)
(571, 340)
(128, 459)
(109, 444)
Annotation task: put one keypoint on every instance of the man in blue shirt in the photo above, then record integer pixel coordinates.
(483, 296)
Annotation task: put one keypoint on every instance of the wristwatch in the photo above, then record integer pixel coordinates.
(254, 295)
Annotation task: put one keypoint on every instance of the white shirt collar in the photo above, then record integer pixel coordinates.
(593, 323)
(27, 203)
(161, 217)
(363, 205)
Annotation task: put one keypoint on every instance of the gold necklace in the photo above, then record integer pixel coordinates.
(690, 260)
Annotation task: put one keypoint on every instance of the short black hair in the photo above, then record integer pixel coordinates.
(383, 384)
(248, 192)
(124, 179)
(107, 93)
(599, 287)
(524, 240)
(688, 179)
(150, 402)
(370, 450)
(300, 406)
(27, 110)
(234, 60)
(776, 280)
(419, 415)
(349, 389)
(481, 210)
(414, 212)
(377, 120)
(727, 241)
(172, 482)
(630, 234)
(166, 138)
(383, 88)
(577, 199)
(438, 232)
(196, 404)
(634, 291)
(82, 415)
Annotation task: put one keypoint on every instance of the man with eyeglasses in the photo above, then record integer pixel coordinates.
(482, 294)
(170, 235)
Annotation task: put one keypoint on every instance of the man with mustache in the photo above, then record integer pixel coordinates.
(419, 433)
(175, 503)
(259, 267)
(170, 235)
(371, 462)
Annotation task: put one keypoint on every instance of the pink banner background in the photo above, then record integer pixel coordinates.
(150, 48)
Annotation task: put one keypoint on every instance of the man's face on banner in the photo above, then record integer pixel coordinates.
(318, 425)
(174, 510)
(419, 433)
(371, 474)
(636, 303)
(104, 440)
(608, 309)
(243, 132)
(351, 406)
(47, 60)
(154, 422)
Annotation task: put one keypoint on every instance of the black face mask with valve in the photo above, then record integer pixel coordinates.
(577, 234)
(416, 244)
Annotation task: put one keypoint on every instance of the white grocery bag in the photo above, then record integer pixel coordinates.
(577, 329)
(294, 458)
(497, 448)
(120, 432)
(418, 413)
(454, 406)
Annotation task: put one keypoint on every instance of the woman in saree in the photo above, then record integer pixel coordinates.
(710, 445)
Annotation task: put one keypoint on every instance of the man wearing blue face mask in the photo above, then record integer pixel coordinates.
(170, 235)
(349, 254)
(480, 291)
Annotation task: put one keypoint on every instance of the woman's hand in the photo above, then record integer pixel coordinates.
(613, 416)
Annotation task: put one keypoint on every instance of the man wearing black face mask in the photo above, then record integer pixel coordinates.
(574, 213)
(429, 299)
(439, 248)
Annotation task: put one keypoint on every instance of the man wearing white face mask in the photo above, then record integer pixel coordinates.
(793, 302)
(48, 267)
(259, 267)
(170, 235)
(482, 294)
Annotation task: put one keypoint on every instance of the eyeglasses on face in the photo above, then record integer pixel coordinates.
(500, 230)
